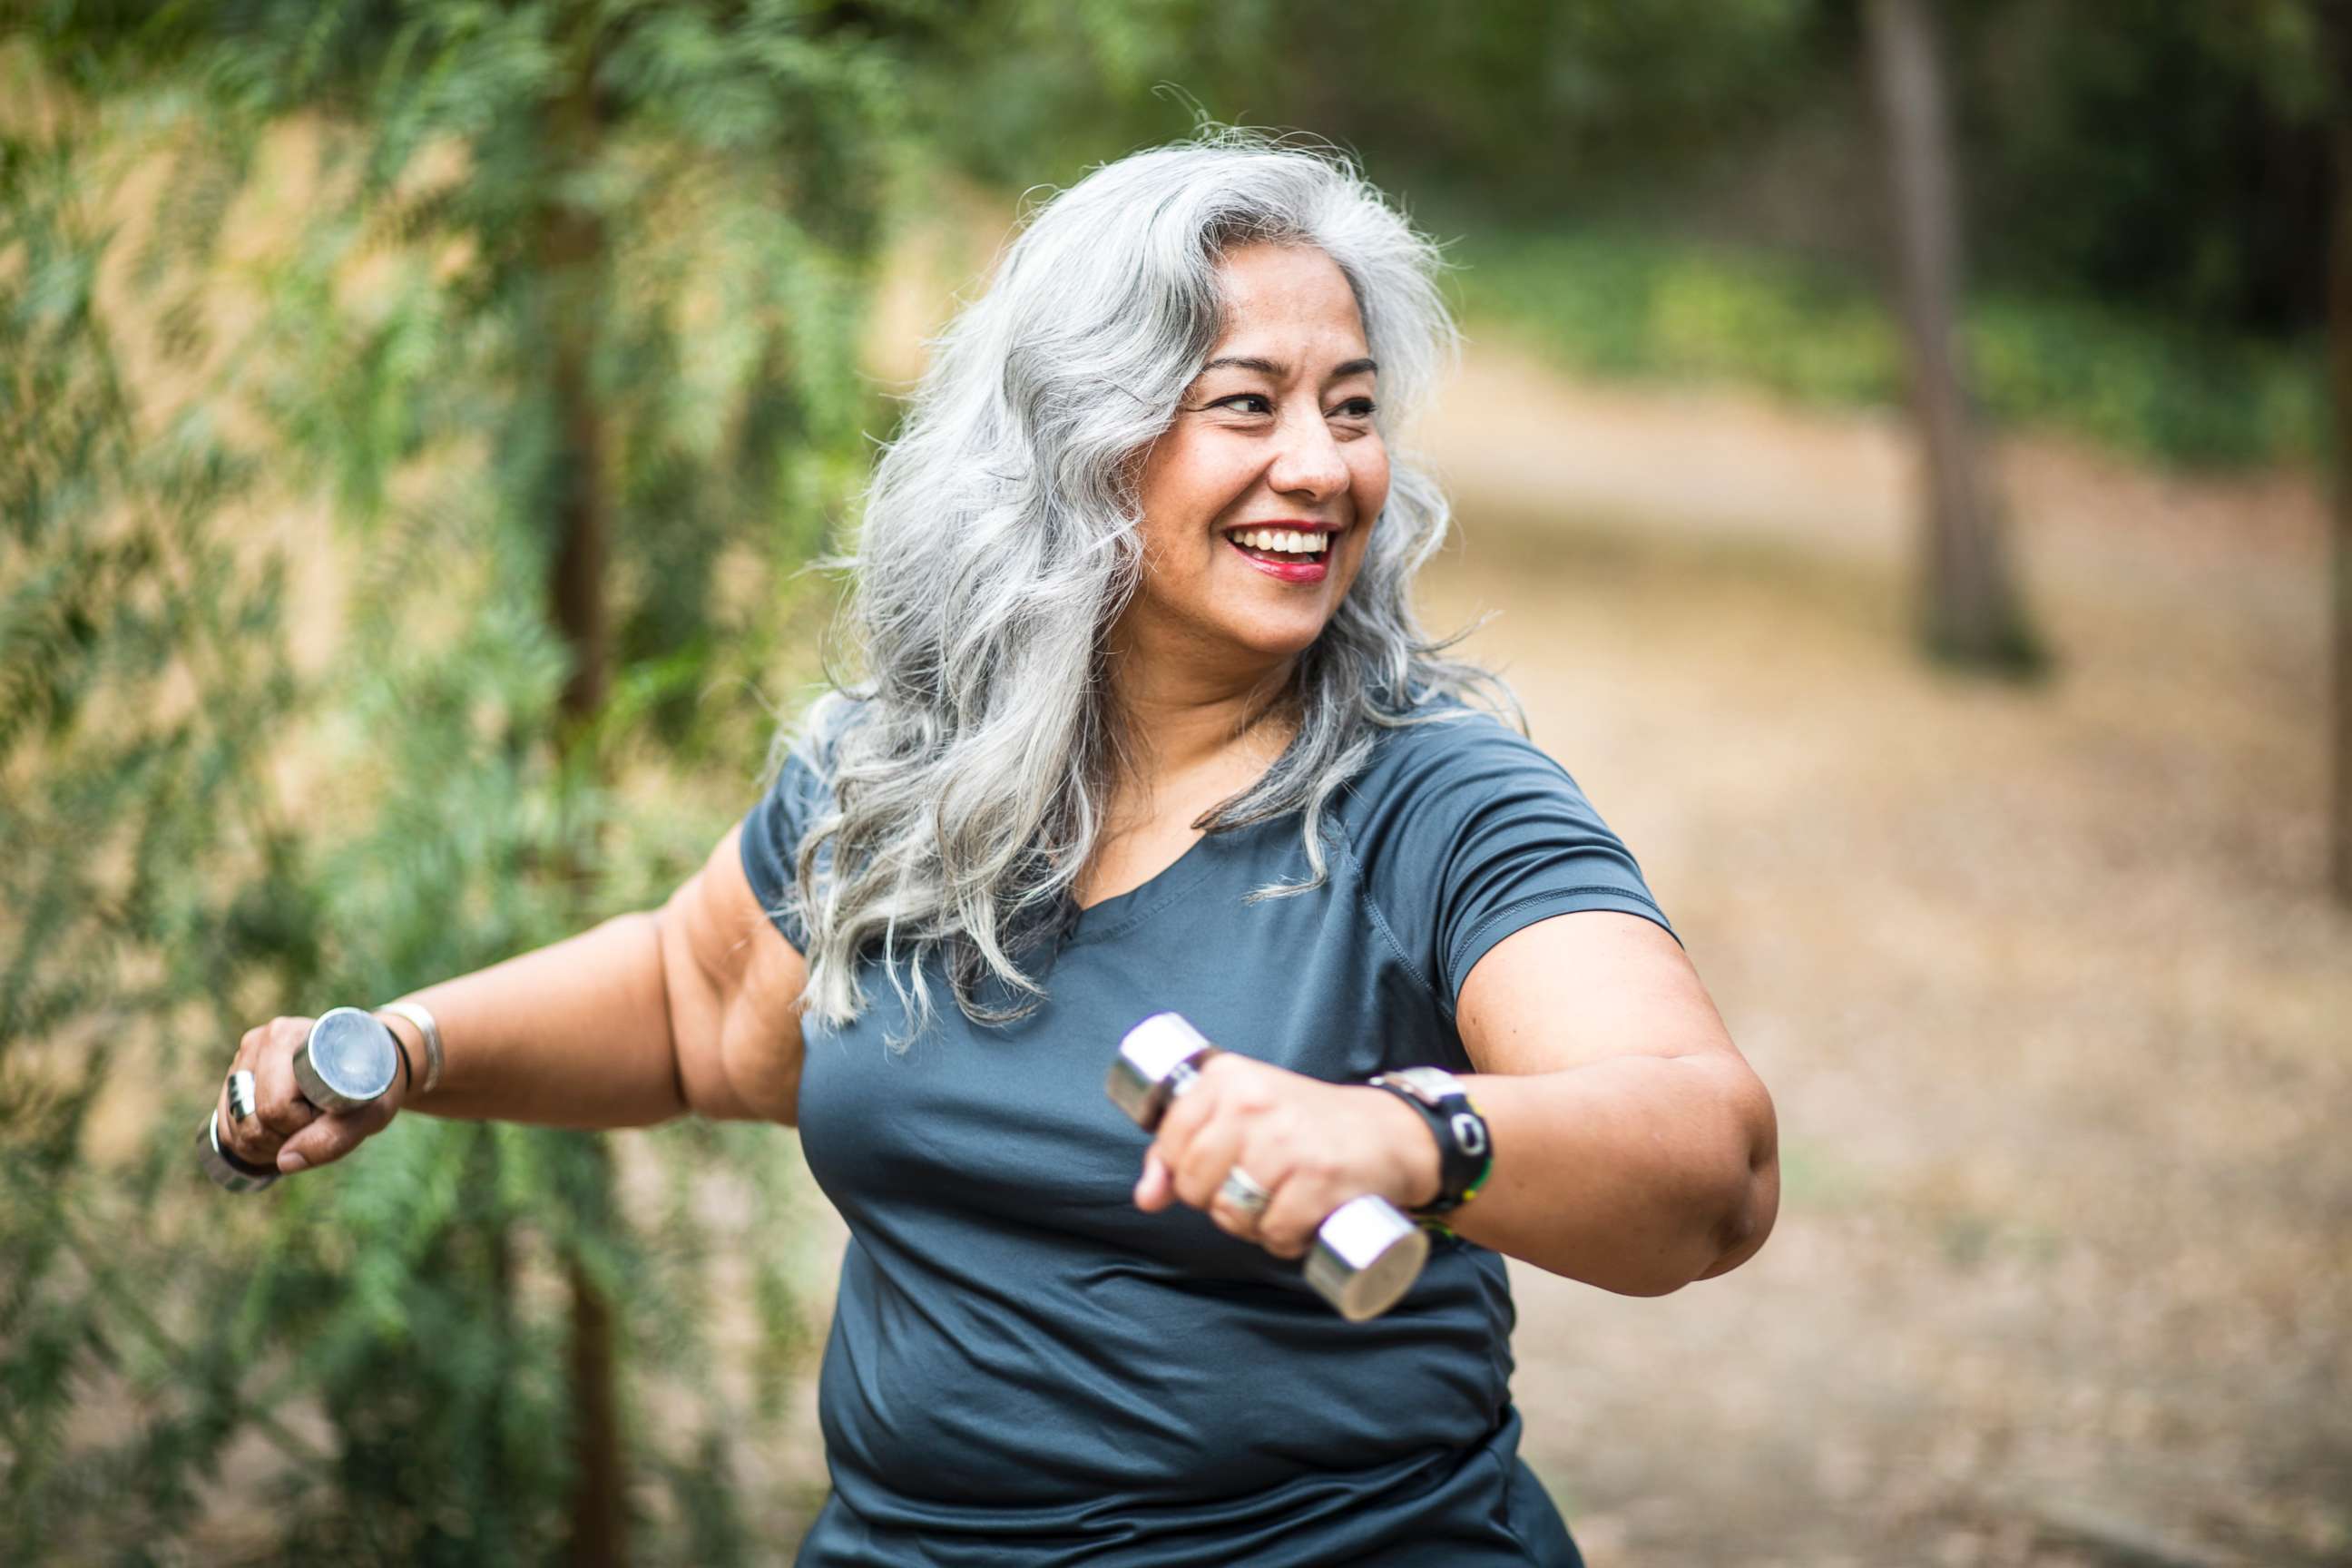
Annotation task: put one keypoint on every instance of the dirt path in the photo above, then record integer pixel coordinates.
(2044, 981)
(1514, 437)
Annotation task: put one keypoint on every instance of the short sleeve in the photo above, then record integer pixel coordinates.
(1468, 833)
(771, 838)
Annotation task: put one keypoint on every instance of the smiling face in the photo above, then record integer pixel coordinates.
(1258, 501)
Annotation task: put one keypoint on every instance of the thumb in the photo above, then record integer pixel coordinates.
(332, 1137)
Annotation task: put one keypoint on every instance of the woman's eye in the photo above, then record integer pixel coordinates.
(1354, 408)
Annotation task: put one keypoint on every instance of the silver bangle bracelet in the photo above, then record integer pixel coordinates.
(432, 1032)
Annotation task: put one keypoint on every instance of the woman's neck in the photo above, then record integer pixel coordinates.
(1177, 720)
(1189, 727)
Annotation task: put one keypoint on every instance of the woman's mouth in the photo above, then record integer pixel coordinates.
(1291, 555)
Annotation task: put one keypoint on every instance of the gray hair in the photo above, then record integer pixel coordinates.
(971, 763)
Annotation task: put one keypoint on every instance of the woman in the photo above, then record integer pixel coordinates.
(1146, 724)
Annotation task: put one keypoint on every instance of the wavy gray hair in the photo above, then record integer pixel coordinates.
(971, 763)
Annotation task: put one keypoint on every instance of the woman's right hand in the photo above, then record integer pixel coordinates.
(285, 1132)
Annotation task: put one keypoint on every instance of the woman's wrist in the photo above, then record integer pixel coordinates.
(1465, 1150)
(1413, 1152)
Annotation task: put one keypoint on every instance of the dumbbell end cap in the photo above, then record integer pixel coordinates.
(223, 1165)
(349, 1060)
(1366, 1255)
(1149, 1056)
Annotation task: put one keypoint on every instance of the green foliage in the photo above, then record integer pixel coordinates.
(1613, 303)
(1515, 97)
(2170, 163)
(284, 449)
(2175, 156)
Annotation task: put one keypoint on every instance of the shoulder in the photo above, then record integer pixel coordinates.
(1447, 756)
(806, 758)
(797, 794)
(1463, 830)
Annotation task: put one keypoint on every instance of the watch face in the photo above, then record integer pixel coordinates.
(1428, 1084)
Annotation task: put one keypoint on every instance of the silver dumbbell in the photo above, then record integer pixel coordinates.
(1366, 1254)
(348, 1062)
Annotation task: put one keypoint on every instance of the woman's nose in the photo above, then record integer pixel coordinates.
(1308, 462)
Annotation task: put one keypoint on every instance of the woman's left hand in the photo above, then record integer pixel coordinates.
(1311, 1145)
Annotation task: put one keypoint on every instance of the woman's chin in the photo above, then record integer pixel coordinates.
(1280, 636)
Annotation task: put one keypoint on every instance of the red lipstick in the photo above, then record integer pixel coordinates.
(1293, 570)
(1283, 565)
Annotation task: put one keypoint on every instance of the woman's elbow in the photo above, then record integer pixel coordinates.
(1753, 1197)
(1742, 1210)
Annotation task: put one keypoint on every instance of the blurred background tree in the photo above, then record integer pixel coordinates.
(413, 413)
(1970, 612)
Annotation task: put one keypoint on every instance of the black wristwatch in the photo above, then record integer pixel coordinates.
(1466, 1153)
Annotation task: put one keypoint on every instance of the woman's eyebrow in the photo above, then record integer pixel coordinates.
(1269, 367)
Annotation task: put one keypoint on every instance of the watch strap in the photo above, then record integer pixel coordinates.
(1465, 1150)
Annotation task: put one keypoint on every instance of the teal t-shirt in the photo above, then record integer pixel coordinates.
(1025, 1368)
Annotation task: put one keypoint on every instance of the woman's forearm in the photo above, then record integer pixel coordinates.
(1636, 1174)
(576, 1034)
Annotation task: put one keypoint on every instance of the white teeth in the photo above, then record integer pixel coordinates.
(1289, 542)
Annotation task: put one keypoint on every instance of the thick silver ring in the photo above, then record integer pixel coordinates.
(1243, 1192)
(240, 1095)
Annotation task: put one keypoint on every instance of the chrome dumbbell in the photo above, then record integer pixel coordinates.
(347, 1061)
(1366, 1254)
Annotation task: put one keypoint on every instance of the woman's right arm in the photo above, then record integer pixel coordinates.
(734, 986)
(690, 1008)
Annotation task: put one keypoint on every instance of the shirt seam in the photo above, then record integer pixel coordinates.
(1372, 906)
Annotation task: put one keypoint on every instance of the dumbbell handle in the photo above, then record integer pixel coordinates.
(1366, 1253)
(348, 1062)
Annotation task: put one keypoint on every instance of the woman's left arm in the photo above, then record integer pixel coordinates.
(1635, 1148)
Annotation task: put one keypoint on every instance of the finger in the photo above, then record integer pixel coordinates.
(278, 1099)
(249, 1048)
(245, 1137)
(1194, 1105)
(332, 1136)
(1299, 1206)
(1229, 1216)
(1153, 1190)
(231, 1132)
(1201, 1169)
(1267, 1159)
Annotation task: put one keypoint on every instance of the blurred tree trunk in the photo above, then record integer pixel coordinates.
(1970, 611)
(2339, 386)
(572, 253)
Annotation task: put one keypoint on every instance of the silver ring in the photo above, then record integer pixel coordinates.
(1243, 1192)
(240, 1095)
